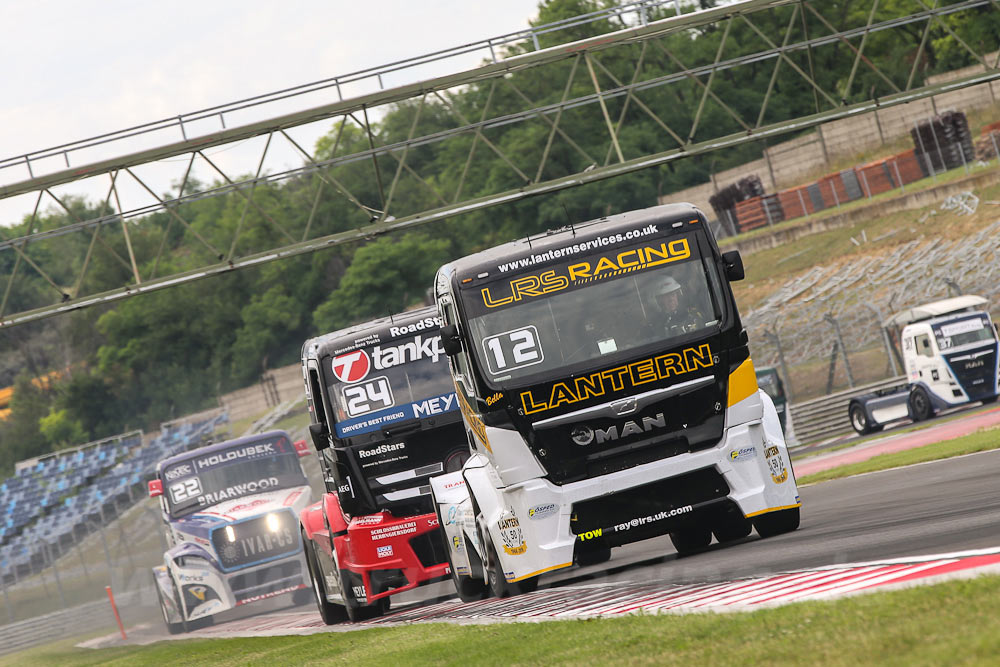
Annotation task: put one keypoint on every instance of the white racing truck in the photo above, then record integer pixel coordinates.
(605, 379)
(950, 356)
(230, 513)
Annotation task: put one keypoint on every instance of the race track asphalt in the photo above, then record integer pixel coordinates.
(933, 508)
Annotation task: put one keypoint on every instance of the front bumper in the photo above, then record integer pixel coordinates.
(384, 555)
(205, 591)
(536, 525)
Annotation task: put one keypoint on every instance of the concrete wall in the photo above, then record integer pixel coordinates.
(278, 386)
(806, 157)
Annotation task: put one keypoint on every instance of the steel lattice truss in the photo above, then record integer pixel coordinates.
(615, 79)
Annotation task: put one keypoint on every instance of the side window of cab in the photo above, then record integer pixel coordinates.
(460, 362)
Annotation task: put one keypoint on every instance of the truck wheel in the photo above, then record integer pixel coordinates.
(595, 554)
(859, 420)
(776, 523)
(172, 628)
(735, 527)
(469, 587)
(689, 540)
(498, 585)
(329, 612)
(920, 405)
(356, 611)
(302, 596)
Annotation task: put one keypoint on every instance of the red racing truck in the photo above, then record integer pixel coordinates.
(385, 419)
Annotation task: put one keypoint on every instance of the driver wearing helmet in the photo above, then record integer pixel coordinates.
(677, 316)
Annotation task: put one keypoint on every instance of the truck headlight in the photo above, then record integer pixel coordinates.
(230, 534)
(273, 523)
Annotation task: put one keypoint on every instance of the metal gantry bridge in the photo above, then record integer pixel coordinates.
(586, 84)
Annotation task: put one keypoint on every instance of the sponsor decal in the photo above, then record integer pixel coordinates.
(584, 435)
(974, 364)
(577, 248)
(250, 451)
(196, 578)
(594, 268)
(384, 551)
(435, 406)
(381, 449)
(394, 531)
(743, 453)
(237, 490)
(261, 544)
(590, 535)
(369, 520)
(511, 534)
(264, 596)
(660, 516)
(178, 471)
(198, 592)
(247, 506)
(452, 514)
(776, 465)
(424, 324)
(354, 366)
(457, 541)
(490, 400)
(542, 511)
(617, 379)
(454, 485)
(474, 423)
(431, 522)
(291, 498)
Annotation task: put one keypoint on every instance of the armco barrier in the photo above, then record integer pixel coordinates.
(826, 416)
(84, 618)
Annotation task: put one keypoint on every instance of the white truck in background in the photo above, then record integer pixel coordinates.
(950, 356)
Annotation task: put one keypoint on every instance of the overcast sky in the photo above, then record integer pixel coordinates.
(73, 70)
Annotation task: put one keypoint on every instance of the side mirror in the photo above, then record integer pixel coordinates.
(155, 488)
(734, 265)
(320, 437)
(450, 340)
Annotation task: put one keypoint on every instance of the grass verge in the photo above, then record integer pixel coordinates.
(980, 441)
(955, 622)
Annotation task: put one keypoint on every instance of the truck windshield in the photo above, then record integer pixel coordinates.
(206, 479)
(599, 307)
(391, 384)
(974, 329)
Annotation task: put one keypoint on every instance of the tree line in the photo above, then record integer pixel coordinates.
(168, 353)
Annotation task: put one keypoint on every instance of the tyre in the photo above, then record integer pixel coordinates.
(329, 612)
(172, 628)
(690, 540)
(594, 554)
(920, 405)
(469, 587)
(734, 527)
(498, 585)
(356, 610)
(859, 420)
(776, 523)
(302, 596)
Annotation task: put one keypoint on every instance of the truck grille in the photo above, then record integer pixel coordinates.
(256, 540)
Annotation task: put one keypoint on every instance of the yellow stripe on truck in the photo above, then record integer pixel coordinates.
(742, 383)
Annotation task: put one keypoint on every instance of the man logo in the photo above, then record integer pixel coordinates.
(352, 366)
(582, 435)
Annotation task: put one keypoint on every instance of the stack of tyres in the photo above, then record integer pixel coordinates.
(943, 142)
